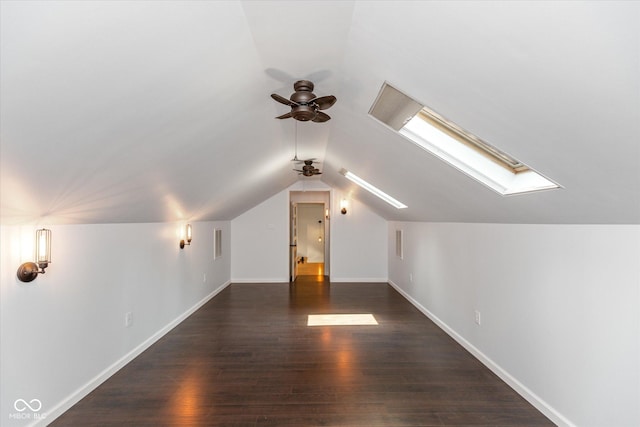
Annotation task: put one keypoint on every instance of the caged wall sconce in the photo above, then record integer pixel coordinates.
(186, 236)
(28, 271)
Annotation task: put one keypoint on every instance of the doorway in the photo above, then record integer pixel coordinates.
(309, 240)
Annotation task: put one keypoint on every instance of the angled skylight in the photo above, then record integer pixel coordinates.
(372, 189)
(461, 149)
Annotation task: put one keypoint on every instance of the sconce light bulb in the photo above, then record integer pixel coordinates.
(42, 244)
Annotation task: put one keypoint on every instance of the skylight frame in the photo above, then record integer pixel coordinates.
(373, 189)
(459, 148)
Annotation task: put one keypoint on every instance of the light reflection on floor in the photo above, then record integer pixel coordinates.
(311, 269)
(341, 319)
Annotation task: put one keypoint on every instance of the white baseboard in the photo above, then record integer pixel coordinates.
(520, 388)
(358, 280)
(83, 391)
(272, 280)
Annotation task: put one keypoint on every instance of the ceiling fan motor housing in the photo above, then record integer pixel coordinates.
(304, 112)
(303, 85)
(302, 95)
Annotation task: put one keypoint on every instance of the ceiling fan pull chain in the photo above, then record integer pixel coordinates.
(295, 156)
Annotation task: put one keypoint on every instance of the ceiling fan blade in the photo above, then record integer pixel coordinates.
(285, 116)
(318, 76)
(321, 117)
(324, 102)
(280, 75)
(283, 100)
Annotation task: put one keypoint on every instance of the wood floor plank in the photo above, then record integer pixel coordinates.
(247, 358)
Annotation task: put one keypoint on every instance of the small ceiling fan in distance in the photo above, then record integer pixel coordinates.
(305, 105)
(308, 169)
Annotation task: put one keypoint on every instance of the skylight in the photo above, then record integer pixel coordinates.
(372, 189)
(461, 149)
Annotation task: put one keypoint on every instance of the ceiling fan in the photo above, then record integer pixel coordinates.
(305, 105)
(308, 169)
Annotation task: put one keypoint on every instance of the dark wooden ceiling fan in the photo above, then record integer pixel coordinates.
(305, 105)
(308, 169)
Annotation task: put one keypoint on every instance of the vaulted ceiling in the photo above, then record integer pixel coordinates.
(148, 111)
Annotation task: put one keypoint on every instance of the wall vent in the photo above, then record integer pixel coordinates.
(217, 243)
(399, 249)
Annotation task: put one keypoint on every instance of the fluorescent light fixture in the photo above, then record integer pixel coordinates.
(456, 146)
(341, 320)
(372, 189)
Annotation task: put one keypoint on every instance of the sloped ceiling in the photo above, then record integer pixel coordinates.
(160, 111)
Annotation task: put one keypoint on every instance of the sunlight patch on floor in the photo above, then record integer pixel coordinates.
(341, 319)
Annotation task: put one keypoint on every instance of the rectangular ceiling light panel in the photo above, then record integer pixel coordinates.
(372, 189)
(461, 149)
(341, 319)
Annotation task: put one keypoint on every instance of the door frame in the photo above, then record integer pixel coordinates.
(323, 197)
(293, 241)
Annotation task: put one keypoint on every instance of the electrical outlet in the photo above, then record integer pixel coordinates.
(410, 278)
(128, 319)
(477, 317)
(204, 277)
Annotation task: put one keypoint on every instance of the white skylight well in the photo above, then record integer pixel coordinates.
(461, 149)
(372, 189)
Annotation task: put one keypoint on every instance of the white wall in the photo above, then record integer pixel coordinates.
(358, 243)
(260, 241)
(559, 304)
(64, 333)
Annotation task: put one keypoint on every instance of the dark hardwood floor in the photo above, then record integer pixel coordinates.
(247, 358)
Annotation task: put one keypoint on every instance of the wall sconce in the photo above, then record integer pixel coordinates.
(343, 206)
(30, 270)
(186, 237)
